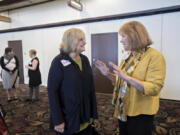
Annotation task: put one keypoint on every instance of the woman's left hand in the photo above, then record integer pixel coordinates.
(96, 123)
(26, 66)
(117, 70)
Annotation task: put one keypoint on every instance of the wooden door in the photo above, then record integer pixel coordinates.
(17, 48)
(104, 48)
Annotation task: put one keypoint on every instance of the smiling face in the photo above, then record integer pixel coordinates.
(80, 47)
(73, 41)
(125, 42)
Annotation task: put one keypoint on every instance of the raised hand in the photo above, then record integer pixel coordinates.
(102, 67)
(117, 70)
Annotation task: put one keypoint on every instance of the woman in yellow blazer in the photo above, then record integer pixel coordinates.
(139, 80)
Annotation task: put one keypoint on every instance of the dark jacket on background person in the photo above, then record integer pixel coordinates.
(71, 93)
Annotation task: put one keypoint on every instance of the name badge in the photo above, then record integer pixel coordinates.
(65, 62)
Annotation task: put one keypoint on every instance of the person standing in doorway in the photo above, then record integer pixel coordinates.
(34, 75)
(10, 73)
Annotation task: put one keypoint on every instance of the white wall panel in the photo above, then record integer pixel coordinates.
(58, 11)
(170, 49)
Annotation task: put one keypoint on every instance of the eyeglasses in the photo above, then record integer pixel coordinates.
(82, 39)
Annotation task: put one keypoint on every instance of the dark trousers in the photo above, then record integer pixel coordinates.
(36, 92)
(137, 125)
(86, 131)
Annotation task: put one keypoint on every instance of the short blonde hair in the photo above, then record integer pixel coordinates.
(138, 36)
(32, 51)
(70, 39)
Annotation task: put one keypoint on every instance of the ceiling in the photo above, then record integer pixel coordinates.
(6, 5)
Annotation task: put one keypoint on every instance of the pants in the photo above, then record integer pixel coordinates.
(36, 92)
(137, 125)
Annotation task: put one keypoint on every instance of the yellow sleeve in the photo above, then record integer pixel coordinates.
(155, 76)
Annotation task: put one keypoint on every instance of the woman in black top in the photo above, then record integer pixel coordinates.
(34, 75)
(71, 88)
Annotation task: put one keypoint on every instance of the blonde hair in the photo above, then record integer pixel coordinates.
(33, 51)
(137, 34)
(70, 39)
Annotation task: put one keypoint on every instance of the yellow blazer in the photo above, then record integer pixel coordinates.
(151, 71)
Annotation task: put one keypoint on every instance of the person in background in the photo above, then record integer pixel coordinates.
(139, 80)
(10, 73)
(71, 88)
(34, 75)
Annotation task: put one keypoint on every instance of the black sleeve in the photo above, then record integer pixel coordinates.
(17, 64)
(93, 94)
(3, 65)
(54, 83)
(93, 100)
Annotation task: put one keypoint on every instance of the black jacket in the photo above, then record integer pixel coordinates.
(71, 93)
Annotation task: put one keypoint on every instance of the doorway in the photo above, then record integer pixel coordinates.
(104, 48)
(17, 48)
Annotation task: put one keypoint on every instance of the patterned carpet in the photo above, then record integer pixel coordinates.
(33, 118)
